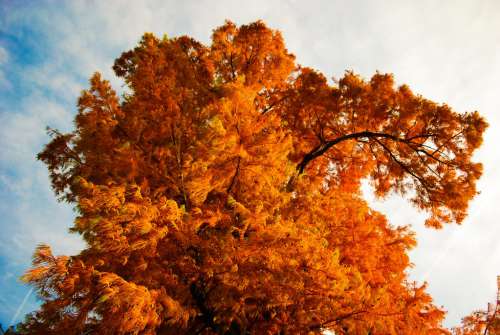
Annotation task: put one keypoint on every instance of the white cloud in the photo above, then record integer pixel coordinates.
(4, 58)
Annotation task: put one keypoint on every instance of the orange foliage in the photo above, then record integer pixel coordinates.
(221, 195)
(482, 322)
(479, 323)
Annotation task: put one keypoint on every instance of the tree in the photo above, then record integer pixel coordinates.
(221, 195)
(479, 323)
(482, 322)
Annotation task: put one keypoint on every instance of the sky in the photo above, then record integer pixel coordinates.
(448, 51)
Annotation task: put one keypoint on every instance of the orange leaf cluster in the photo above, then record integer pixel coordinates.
(479, 323)
(221, 195)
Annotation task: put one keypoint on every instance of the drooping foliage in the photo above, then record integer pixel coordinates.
(221, 195)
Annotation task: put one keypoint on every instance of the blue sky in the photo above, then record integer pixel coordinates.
(447, 51)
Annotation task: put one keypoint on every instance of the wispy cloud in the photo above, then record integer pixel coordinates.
(4, 58)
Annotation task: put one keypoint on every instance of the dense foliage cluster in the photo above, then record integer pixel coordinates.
(221, 195)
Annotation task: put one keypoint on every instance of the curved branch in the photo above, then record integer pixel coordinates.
(323, 147)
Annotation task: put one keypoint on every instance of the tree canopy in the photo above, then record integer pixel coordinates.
(221, 195)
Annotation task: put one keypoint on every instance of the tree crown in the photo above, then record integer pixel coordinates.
(221, 194)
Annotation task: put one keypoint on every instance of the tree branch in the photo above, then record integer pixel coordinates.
(233, 179)
(323, 147)
(275, 103)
